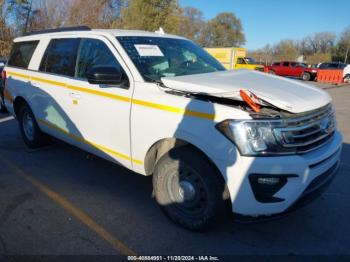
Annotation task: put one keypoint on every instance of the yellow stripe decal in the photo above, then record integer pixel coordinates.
(81, 140)
(120, 98)
(174, 109)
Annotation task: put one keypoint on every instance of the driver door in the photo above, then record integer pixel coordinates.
(101, 112)
(240, 63)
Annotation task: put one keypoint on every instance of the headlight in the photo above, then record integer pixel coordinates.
(253, 137)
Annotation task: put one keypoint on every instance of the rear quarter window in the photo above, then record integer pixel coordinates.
(22, 53)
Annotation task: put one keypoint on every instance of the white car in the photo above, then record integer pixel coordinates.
(160, 105)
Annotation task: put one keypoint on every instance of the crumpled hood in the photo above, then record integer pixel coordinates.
(286, 94)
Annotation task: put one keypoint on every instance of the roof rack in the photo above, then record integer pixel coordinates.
(62, 29)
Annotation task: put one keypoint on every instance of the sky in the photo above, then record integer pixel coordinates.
(269, 21)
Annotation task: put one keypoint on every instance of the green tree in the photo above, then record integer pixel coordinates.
(223, 30)
(341, 51)
(151, 14)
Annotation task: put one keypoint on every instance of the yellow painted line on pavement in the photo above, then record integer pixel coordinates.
(77, 213)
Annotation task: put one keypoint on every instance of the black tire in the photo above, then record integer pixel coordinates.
(346, 79)
(3, 109)
(306, 76)
(207, 203)
(271, 72)
(33, 138)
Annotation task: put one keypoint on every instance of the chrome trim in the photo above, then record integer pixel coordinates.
(309, 130)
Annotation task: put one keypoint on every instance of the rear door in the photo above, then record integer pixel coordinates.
(295, 69)
(49, 78)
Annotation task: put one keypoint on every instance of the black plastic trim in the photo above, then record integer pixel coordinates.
(58, 30)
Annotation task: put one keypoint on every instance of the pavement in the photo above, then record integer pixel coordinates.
(60, 200)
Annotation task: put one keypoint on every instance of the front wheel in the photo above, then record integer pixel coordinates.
(32, 136)
(189, 189)
(346, 79)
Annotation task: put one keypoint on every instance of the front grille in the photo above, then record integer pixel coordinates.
(308, 132)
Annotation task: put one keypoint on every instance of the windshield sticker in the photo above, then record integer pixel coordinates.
(148, 50)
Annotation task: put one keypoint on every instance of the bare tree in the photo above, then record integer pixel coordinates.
(192, 24)
(94, 13)
(321, 42)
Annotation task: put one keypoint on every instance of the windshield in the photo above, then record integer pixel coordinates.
(250, 60)
(157, 57)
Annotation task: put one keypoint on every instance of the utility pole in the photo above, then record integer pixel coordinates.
(347, 52)
(27, 18)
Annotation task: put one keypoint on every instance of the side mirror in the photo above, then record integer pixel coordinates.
(106, 76)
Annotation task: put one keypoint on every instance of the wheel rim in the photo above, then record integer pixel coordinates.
(28, 126)
(187, 192)
(347, 79)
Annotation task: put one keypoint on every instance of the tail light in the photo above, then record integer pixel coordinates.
(3, 76)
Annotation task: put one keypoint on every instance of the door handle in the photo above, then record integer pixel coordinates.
(37, 84)
(75, 95)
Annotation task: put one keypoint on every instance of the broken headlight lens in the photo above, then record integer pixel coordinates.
(252, 137)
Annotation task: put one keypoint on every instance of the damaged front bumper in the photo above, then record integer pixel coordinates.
(305, 176)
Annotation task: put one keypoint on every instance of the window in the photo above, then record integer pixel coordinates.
(324, 66)
(276, 64)
(60, 57)
(94, 53)
(240, 61)
(22, 53)
(285, 64)
(342, 65)
(333, 65)
(293, 64)
(157, 57)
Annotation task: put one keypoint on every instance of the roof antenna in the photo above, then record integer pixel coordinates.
(160, 31)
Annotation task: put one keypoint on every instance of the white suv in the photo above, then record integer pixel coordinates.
(159, 104)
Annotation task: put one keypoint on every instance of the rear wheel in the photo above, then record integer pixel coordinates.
(2, 106)
(271, 72)
(189, 189)
(2, 103)
(346, 79)
(32, 136)
(306, 76)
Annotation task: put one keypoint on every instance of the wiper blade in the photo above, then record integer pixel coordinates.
(157, 81)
